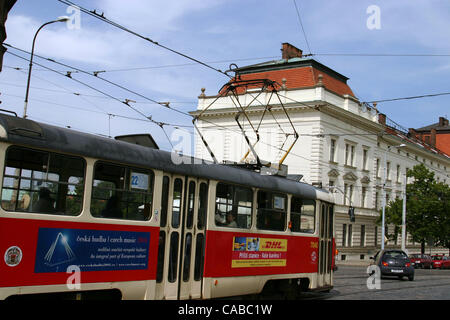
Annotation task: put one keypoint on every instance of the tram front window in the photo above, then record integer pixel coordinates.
(42, 182)
(121, 192)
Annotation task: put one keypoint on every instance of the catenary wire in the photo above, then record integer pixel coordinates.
(104, 19)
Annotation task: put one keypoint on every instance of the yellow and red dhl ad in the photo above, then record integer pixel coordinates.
(258, 252)
(273, 244)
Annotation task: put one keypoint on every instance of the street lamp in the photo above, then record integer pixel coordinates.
(405, 180)
(384, 193)
(60, 19)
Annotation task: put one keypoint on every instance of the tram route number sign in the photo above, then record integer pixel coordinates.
(258, 252)
(91, 250)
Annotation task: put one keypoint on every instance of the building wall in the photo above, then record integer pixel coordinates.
(443, 142)
(327, 117)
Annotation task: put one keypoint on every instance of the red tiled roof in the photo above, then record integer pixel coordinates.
(301, 77)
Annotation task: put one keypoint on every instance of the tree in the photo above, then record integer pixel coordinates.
(428, 216)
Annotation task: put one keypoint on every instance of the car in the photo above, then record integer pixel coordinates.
(394, 263)
(446, 263)
(438, 261)
(420, 260)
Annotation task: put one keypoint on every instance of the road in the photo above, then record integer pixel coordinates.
(350, 283)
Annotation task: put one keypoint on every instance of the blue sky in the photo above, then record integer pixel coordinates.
(219, 32)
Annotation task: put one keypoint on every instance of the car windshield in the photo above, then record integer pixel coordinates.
(437, 258)
(395, 254)
(415, 256)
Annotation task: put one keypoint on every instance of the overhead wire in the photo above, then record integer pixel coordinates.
(410, 98)
(164, 104)
(170, 108)
(104, 19)
(301, 25)
(126, 102)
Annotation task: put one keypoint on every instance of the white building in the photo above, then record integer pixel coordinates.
(341, 144)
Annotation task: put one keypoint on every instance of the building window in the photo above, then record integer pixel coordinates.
(388, 170)
(333, 150)
(377, 195)
(345, 193)
(398, 173)
(363, 235)
(363, 196)
(331, 184)
(365, 159)
(344, 235)
(349, 154)
(377, 168)
(348, 194)
(376, 236)
(350, 235)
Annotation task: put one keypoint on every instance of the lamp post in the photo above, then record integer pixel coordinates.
(61, 19)
(405, 180)
(384, 193)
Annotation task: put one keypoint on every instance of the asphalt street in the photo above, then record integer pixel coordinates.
(350, 283)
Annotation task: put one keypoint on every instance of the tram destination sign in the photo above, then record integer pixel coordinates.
(91, 250)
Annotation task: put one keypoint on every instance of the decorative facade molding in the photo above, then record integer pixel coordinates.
(350, 176)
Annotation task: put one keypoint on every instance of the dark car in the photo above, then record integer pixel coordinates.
(420, 260)
(394, 263)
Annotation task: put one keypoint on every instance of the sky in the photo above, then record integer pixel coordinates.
(219, 33)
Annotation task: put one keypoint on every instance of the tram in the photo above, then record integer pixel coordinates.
(84, 216)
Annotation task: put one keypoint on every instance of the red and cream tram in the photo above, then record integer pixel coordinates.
(84, 216)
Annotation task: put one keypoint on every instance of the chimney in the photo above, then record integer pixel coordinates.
(288, 51)
(382, 118)
(443, 122)
(433, 137)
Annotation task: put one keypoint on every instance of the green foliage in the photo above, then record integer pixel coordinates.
(427, 208)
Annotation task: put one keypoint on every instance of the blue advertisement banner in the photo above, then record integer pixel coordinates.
(91, 250)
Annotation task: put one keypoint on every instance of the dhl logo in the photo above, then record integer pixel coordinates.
(274, 245)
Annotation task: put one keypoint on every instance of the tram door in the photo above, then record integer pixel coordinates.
(182, 235)
(325, 244)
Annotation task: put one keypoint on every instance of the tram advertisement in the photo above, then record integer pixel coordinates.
(91, 250)
(258, 252)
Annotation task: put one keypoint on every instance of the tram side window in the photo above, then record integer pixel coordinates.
(202, 205)
(302, 215)
(233, 206)
(42, 182)
(271, 213)
(121, 192)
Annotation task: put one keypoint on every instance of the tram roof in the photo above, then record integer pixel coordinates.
(40, 135)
